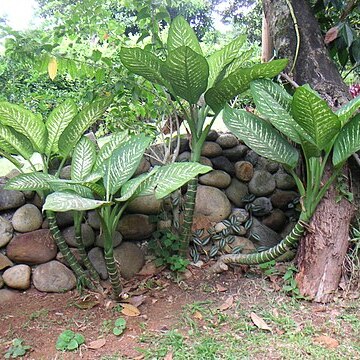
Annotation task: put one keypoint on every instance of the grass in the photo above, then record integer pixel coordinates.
(232, 334)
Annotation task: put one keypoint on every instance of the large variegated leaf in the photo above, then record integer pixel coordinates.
(123, 162)
(346, 111)
(142, 63)
(63, 201)
(83, 159)
(314, 115)
(105, 152)
(25, 122)
(56, 123)
(136, 185)
(219, 59)
(30, 181)
(68, 185)
(15, 143)
(73, 132)
(171, 177)
(260, 136)
(239, 81)
(181, 34)
(187, 72)
(348, 141)
(274, 104)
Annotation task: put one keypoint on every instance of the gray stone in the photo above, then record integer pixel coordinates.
(35, 247)
(216, 178)
(63, 219)
(281, 198)
(212, 203)
(131, 259)
(244, 170)
(37, 201)
(205, 161)
(156, 151)
(164, 224)
(117, 239)
(148, 205)
(223, 163)
(11, 199)
(27, 218)
(287, 229)
(65, 172)
(5, 262)
(268, 237)
(53, 277)
(93, 220)
(143, 167)
(136, 227)
(252, 157)
(227, 141)
(268, 165)
(87, 235)
(262, 206)
(29, 194)
(211, 149)
(247, 246)
(7, 296)
(18, 277)
(284, 181)
(241, 215)
(212, 135)
(1, 282)
(184, 145)
(183, 157)
(96, 257)
(236, 192)
(236, 153)
(6, 231)
(262, 183)
(276, 220)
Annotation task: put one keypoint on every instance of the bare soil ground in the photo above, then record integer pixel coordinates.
(218, 308)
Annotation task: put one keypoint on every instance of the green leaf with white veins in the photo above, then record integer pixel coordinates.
(13, 142)
(274, 104)
(260, 136)
(83, 159)
(56, 123)
(123, 162)
(348, 141)
(63, 201)
(187, 72)
(30, 182)
(314, 115)
(25, 122)
(182, 34)
(239, 81)
(347, 110)
(219, 59)
(81, 122)
(142, 63)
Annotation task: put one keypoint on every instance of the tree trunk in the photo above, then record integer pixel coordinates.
(322, 250)
(267, 47)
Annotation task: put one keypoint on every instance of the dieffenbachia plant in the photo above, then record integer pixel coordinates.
(23, 133)
(200, 85)
(307, 120)
(108, 174)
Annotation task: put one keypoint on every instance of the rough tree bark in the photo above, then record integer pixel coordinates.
(322, 250)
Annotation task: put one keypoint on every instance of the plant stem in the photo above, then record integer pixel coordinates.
(65, 251)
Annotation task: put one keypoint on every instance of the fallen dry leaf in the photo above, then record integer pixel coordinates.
(227, 304)
(129, 310)
(169, 356)
(137, 300)
(331, 35)
(326, 341)
(259, 322)
(197, 315)
(220, 288)
(87, 304)
(150, 269)
(97, 344)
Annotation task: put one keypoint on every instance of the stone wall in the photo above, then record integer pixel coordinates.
(241, 183)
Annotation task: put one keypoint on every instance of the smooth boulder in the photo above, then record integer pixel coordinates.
(130, 258)
(18, 277)
(136, 227)
(216, 178)
(6, 231)
(27, 218)
(262, 183)
(212, 203)
(11, 199)
(53, 276)
(87, 235)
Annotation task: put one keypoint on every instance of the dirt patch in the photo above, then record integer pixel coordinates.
(39, 318)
